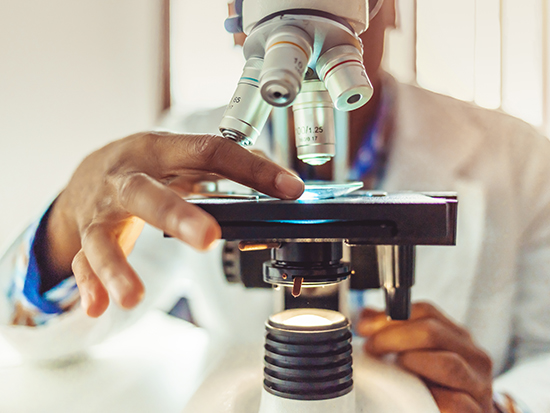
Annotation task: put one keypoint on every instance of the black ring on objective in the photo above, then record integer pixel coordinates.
(307, 12)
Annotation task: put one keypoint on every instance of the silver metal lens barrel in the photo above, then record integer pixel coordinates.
(247, 112)
(314, 124)
(287, 53)
(342, 70)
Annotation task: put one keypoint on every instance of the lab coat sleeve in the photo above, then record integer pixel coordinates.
(23, 301)
(41, 335)
(528, 380)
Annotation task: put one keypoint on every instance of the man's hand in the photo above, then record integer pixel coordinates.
(442, 354)
(97, 219)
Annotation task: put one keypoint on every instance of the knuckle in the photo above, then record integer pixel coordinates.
(257, 169)
(88, 234)
(88, 231)
(151, 150)
(207, 148)
(463, 332)
(431, 333)
(168, 215)
(129, 187)
(486, 390)
(464, 403)
(407, 360)
(484, 362)
(107, 273)
(149, 142)
(78, 268)
(456, 368)
(424, 309)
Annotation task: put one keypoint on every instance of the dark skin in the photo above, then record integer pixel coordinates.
(438, 351)
(97, 219)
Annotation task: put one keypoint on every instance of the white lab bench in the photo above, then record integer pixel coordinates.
(150, 367)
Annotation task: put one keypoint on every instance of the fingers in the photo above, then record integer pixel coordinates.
(107, 261)
(438, 351)
(158, 205)
(446, 369)
(119, 187)
(93, 296)
(450, 401)
(428, 329)
(372, 321)
(223, 157)
(422, 334)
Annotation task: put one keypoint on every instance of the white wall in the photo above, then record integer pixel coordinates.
(74, 74)
(205, 63)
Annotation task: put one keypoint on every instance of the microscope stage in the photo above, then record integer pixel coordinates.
(360, 218)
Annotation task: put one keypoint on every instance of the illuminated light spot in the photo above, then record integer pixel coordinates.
(308, 320)
(305, 221)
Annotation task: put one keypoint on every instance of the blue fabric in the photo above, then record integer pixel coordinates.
(234, 24)
(31, 289)
(366, 157)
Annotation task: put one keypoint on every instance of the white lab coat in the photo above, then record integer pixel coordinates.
(496, 281)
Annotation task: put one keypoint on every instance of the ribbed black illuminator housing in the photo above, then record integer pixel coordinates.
(308, 362)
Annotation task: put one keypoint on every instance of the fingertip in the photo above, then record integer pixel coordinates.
(127, 290)
(95, 304)
(200, 231)
(133, 298)
(95, 311)
(290, 186)
(211, 235)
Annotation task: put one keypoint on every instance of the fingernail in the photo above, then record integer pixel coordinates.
(290, 185)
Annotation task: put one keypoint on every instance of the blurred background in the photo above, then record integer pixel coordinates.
(75, 75)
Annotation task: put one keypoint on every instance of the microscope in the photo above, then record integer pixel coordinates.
(307, 54)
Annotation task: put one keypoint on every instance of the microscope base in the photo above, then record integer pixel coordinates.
(235, 386)
(274, 404)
